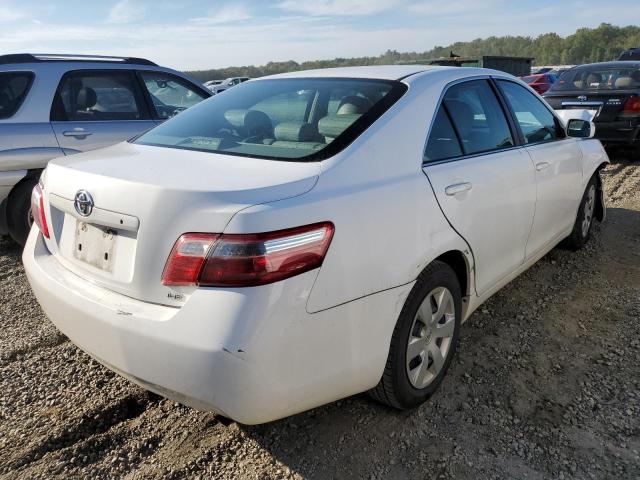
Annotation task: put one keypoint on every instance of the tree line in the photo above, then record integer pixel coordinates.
(586, 45)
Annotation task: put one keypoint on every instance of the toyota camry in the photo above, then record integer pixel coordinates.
(309, 236)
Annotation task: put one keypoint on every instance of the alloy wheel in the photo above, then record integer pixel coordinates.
(430, 337)
(589, 207)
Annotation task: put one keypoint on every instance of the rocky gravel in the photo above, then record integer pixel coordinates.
(546, 385)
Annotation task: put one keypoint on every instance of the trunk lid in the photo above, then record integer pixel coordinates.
(606, 105)
(143, 199)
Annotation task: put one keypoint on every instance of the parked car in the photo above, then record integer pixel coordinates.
(610, 91)
(212, 83)
(293, 242)
(630, 54)
(540, 82)
(52, 105)
(539, 71)
(228, 83)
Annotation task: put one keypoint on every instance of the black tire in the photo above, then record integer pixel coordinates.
(395, 388)
(19, 209)
(579, 236)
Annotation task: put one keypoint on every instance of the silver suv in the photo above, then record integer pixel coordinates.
(54, 105)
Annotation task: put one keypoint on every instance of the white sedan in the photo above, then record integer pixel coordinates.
(309, 236)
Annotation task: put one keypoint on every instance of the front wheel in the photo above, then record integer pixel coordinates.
(424, 339)
(584, 220)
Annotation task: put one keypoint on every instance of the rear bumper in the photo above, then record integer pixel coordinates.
(253, 355)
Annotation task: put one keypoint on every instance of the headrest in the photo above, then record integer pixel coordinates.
(462, 115)
(296, 132)
(593, 78)
(353, 104)
(624, 82)
(249, 122)
(86, 98)
(333, 125)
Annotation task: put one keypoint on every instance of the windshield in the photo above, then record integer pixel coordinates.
(284, 119)
(595, 78)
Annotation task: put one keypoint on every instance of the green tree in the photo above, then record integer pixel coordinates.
(586, 45)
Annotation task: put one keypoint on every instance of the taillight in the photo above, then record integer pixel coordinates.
(632, 106)
(37, 210)
(243, 260)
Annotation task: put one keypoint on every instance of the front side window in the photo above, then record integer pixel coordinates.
(98, 96)
(535, 120)
(170, 94)
(287, 107)
(477, 117)
(14, 87)
(283, 119)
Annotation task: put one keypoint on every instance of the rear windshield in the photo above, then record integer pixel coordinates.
(531, 79)
(13, 89)
(599, 78)
(284, 119)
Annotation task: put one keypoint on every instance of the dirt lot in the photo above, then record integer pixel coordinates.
(546, 385)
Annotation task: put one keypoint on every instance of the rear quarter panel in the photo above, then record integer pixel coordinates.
(388, 226)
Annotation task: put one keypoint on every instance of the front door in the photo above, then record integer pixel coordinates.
(558, 163)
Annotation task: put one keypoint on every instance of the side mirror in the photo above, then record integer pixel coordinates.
(580, 128)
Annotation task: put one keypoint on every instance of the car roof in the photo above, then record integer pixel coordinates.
(18, 58)
(614, 64)
(381, 72)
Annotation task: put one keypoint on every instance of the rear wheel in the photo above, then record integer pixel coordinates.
(584, 220)
(19, 218)
(424, 340)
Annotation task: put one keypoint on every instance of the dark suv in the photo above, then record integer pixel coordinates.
(630, 54)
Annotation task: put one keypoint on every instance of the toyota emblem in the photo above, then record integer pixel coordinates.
(582, 98)
(83, 203)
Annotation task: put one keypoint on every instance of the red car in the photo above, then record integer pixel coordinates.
(540, 82)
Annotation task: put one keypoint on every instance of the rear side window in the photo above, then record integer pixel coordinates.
(535, 120)
(477, 117)
(99, 96)
(443, 142)
(14, 87)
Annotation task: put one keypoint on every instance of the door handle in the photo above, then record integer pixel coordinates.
(458, 188)
(542, 166)
(76, 132)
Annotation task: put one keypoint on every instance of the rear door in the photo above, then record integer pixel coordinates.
(484, 183)
(557, 160)
(97, 108)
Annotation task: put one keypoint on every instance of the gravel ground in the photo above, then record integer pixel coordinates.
(546, 385)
